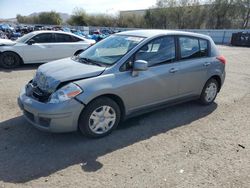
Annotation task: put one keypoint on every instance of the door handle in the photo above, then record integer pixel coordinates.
(173, 70)
(207, 64)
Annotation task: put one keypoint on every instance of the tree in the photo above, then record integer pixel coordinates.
(221, 14)
(176, 14)
(79, 17)
(166, 14)
(131, 21)
(51, 18)
(102, 20)
(244, 12)
(26, 19)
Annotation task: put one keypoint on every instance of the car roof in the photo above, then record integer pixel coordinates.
(60, 32)
(148, 33)
(49, 31)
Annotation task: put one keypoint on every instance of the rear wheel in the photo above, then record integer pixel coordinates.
(9, 60)
(99, 118)
(209, 92)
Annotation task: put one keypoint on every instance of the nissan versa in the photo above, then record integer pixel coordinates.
(125, 74)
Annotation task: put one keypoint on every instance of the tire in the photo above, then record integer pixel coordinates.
(99, 118)
(9, 60)
(209, 92)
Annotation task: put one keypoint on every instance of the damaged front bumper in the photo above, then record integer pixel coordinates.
(61, 117)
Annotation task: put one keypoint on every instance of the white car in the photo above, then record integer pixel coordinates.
(41, 47)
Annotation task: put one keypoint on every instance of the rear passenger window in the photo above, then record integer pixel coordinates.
(189, 47)
(193, 47)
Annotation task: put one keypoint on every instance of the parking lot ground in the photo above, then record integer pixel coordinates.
(187, 145)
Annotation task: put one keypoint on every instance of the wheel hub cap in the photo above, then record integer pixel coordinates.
(102, 119)
(211, 92)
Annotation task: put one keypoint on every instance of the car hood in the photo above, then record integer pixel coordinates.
(50, 75)
(7, 42)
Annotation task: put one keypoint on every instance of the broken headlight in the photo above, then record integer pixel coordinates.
(65, 93)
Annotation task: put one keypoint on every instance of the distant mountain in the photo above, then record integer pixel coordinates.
(64, 16)
(8, 20)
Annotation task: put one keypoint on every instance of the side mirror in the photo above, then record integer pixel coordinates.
(139, 65)
(31, 41)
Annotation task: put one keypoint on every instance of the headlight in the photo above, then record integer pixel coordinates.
(65, 93)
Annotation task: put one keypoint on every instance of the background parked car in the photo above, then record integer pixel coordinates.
(3, 35)
(5, 27)
(41, 47)
(38, 27)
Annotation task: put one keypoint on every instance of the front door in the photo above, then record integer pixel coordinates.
(157, 84)
(41, 50)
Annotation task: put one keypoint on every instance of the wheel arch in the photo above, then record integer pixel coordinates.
(2, 52)
(218, 79)
(115, 98)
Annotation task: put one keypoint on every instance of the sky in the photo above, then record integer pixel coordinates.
(10, 8)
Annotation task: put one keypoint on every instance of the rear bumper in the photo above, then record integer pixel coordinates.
(62, 117)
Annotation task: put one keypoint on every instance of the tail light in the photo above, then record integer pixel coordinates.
(222, 59)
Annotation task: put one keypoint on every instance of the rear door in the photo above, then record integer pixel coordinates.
(66, 45)
(194, 63)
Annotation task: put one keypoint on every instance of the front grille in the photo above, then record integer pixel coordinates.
(35, 92)
(40, 95)
(29, 115)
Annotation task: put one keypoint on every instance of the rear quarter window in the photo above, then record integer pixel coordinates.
(66, 38)
(76, 39)
(203, 48)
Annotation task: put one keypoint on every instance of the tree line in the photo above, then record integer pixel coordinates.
(166, 14)
(50, 18)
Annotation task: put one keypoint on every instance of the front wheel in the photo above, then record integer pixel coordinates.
(209, 92)
(9, 60)
(99, 118)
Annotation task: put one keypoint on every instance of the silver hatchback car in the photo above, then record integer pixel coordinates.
(124, 75)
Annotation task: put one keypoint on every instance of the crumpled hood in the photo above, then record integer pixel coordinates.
(50, 75)
(7, 42)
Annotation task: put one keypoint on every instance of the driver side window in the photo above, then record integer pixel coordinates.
(43, 38)
(158, 51)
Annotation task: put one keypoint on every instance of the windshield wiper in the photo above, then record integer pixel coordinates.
(90, 61)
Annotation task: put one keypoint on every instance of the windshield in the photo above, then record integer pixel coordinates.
(111, 49)
(24, 38)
